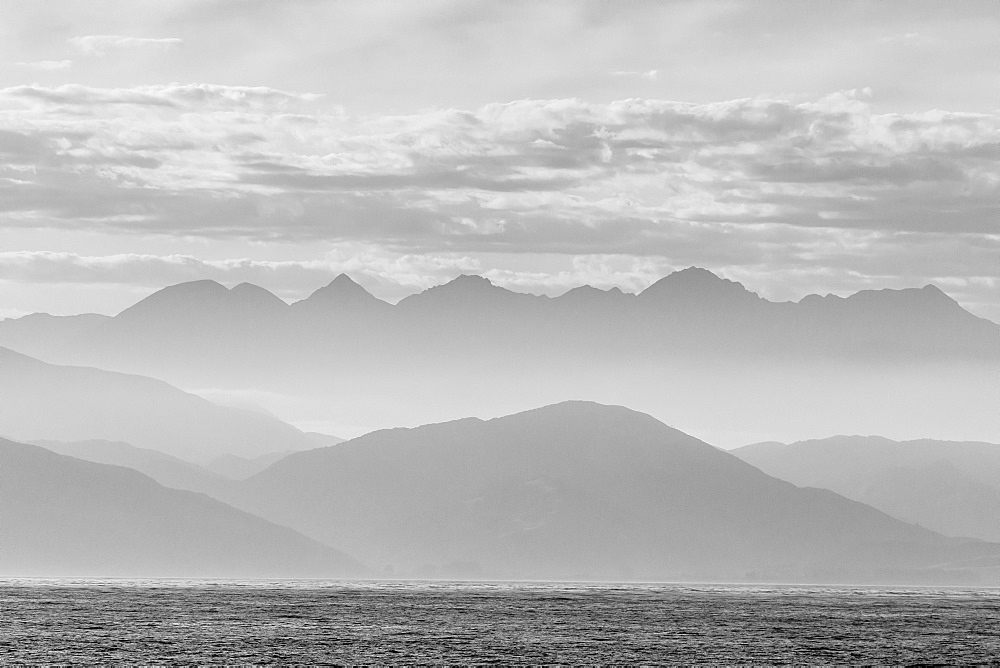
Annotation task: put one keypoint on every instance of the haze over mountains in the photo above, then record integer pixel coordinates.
(580, 490)
(906, 363)
(68, 403)
(573, 490)
(949, 487)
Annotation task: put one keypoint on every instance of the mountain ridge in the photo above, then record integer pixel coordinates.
(466, 348)
(690, 278)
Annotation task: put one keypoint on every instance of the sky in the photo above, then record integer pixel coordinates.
(797, 147)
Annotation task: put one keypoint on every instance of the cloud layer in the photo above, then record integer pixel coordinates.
(793, 186)
(99, 45)
(637, 176)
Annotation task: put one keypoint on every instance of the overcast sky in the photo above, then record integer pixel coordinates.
(796, 147)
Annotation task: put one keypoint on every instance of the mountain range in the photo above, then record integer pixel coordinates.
(689, 311)
(905, 363)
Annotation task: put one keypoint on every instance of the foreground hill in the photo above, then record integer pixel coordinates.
(63, 516)
(66, 403)
(581, 490)
(950, 487)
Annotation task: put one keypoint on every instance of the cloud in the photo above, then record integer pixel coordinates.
(47, 65)
(648, 75)
(390, 274)
(196, 97)
(100, 45)
(261, 162)
(148, 270)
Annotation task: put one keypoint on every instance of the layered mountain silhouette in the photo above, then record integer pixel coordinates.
(166, 470)
(66, 403)
(950, 487)
(571, 491)
(580, 490)
(64, 516)
(174, 472)
(41, 334)
(900, 362)
(234, 467)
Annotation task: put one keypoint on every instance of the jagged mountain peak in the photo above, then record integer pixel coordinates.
(465, 289)
(469, 282)
(341, 291)
(340, 285)
(917, 300)
(695, 283)
(344, 282)
(590, 293)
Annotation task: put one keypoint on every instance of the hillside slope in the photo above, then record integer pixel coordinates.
(947, 486)
(63, 516)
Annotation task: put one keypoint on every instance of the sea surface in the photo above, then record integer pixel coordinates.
(327, 622)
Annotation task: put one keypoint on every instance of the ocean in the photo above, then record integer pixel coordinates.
(336, 622)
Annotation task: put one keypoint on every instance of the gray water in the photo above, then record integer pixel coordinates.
(199, 622)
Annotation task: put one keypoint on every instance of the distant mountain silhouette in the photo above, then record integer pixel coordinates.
(695, 288)
(323, 440)
(474, 295)
(949, 487)
(234, 467)
(690, 341)
(64, 516)
(342, 298)
(201, 324)
(199, 301)
(164, 469)
(65, 403)
(339, 321)
(581, 490)
(43, 334)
